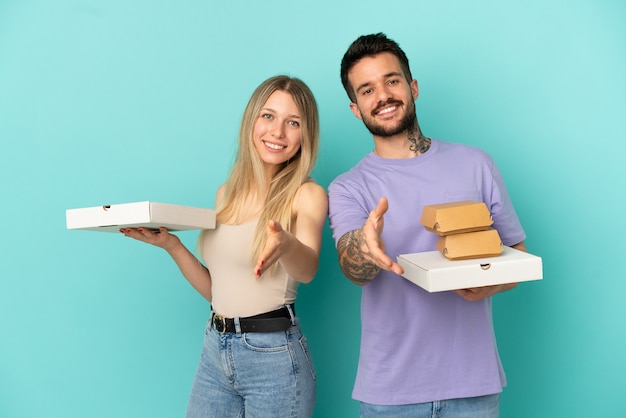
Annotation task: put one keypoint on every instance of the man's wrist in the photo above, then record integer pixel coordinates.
(356, 263)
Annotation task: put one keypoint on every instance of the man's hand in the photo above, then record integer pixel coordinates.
(371, 243)
(362, 252)
(478, 293)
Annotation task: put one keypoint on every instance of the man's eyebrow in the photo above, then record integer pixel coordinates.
(388, 75)
(362, 86)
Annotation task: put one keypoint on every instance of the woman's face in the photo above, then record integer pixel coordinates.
(277, 132)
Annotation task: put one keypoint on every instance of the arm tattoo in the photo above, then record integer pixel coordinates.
(354, 258)
(419, 143)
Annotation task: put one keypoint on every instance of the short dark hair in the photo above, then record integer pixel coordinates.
(367, 46)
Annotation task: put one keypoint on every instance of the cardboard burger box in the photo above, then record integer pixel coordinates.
(110, 218)
(456, 217)
(470, 245)
(435, 273)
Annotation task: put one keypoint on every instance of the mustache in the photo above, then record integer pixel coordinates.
(386, 103)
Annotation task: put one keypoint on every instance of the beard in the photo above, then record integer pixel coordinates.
(407, 123)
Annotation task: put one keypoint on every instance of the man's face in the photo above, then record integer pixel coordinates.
(384, 97)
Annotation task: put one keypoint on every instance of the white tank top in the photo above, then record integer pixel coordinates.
(227, 252)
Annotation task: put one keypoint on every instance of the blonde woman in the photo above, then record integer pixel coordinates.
(270, 215)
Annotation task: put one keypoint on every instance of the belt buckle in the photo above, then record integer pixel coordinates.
(219, 323)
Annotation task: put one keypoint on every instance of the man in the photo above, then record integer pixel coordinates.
(421, 352)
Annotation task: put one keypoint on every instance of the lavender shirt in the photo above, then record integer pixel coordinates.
(418, 346)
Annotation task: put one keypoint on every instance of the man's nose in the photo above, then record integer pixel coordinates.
(383, 94)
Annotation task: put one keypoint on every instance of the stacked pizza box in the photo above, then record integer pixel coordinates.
(463, 228)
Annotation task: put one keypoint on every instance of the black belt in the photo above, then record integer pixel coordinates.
(278, 320)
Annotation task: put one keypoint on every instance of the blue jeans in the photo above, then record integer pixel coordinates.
(480, 407)
(254, 375)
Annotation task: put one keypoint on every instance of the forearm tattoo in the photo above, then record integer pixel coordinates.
(353, 258)
(419, 143)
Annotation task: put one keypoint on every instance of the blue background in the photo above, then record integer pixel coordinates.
(105, 102)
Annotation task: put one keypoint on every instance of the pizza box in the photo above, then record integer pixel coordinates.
(110, 218)
(435, 273)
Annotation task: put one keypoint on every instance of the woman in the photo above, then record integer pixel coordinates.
(270, 216)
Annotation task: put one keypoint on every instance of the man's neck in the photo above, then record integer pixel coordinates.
(407, 144)
(420, 144)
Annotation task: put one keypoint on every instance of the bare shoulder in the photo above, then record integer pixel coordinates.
(311, 197)
(311, 189)
(310, 192)
(220, 194)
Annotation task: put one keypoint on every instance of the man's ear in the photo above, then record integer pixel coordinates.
(414, 89)
(355, 109)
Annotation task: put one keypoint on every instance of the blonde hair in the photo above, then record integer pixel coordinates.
(247, 177)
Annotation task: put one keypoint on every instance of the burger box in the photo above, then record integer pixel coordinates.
(456, 217)
(470, 245)
(110, 218)
(435, 273)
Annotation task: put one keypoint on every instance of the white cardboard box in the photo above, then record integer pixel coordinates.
(435, 273)
(110, 218)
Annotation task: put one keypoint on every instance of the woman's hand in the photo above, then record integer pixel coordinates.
(161, 238)
(298, 249)
(276, 245)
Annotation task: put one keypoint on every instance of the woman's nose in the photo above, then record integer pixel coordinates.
(278, 130)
